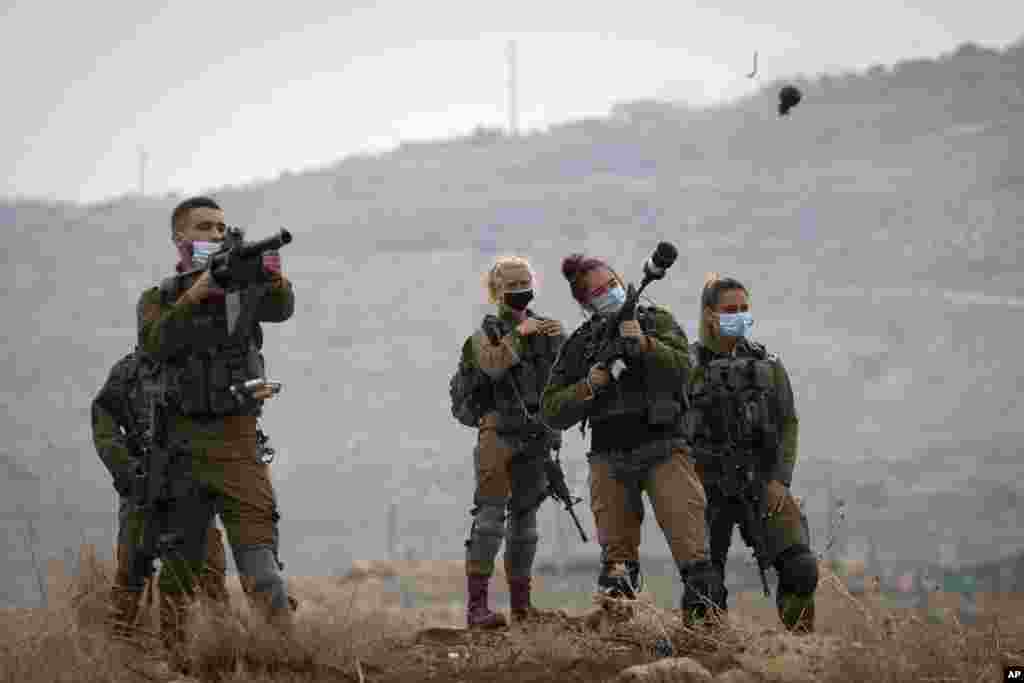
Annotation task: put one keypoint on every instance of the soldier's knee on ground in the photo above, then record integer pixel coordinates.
(798, 570)
(265, 583)
(798, 580)
(486, 536)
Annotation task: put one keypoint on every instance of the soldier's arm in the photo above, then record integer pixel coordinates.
(277, 303)
(496, 359)
(565, 399)
(790, 426)
(111, 447)
(165, 330)
(666, 350)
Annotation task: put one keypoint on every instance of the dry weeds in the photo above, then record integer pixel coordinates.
(351, 629)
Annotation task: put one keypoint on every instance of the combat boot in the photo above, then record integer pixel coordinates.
(478, 614)
(519, 600)
(703, 593)
(620, 580)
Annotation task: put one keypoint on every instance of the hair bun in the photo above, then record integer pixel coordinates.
(710, 278)
(571, 266)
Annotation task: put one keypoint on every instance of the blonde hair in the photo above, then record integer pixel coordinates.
(493, 280)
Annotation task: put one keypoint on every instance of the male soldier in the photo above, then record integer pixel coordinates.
(636, 436)
(119, 401)
(183, 324)
(502, 372)
(735, 380)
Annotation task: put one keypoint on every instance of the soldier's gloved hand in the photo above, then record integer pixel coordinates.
(776, 493)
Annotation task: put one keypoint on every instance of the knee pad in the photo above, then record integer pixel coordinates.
(259, 566)
(486, 535)
(521, 544)
(522, 528)
(798, 570)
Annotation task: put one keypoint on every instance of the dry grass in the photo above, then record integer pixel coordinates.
(352, 627)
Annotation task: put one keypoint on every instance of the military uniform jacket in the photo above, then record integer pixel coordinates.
(779, 464)
(644, 405)
(201, 359)
(516, 368)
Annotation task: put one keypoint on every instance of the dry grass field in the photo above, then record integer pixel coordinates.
(355, 628)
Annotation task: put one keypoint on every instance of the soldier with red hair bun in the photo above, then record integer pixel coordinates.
(637, 442)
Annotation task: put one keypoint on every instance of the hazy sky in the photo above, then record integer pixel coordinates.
(225, 92)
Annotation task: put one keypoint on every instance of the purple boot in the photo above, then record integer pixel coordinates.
(478, 615)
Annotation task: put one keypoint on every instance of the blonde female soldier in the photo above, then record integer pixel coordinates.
(497, 390)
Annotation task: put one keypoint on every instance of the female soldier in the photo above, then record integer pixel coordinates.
(636, 441)
(502, 373)
(735, 376)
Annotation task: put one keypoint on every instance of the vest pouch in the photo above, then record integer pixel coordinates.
(192, 390)
(764, 374)
(230, 366)
(742, 375)
(663, 411)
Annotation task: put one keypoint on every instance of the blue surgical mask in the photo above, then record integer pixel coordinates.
(201, 252)
(735, 324)
(610, 301)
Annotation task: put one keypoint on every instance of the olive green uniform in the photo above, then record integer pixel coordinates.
(113, 450)
(215, 430)
(637, 445)
(786, 540)
(509, 457)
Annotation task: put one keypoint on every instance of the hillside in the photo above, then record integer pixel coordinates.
(878, 226)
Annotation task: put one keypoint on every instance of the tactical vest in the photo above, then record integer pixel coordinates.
(735, 402)
(132, 381)
(640, 407)
(523, 385)
(198, 379)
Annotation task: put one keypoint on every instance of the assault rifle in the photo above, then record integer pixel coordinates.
(732, 452)
(610, 350)
(739, 481)
(557, 489)
(238, 264)
(151, 493)
(606, 348)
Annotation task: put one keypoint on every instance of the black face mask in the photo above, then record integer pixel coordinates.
(519, 300)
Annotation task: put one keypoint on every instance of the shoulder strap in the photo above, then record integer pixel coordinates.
(170, 289)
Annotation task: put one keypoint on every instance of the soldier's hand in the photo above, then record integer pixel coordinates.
(272, 266)
(263, 393)
(630, 329)
(202, 287)
(599, 376)
(529, 326)
(551, 328)
(776, 493)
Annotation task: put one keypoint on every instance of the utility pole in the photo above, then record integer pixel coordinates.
(143, 158)
(513, 105)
